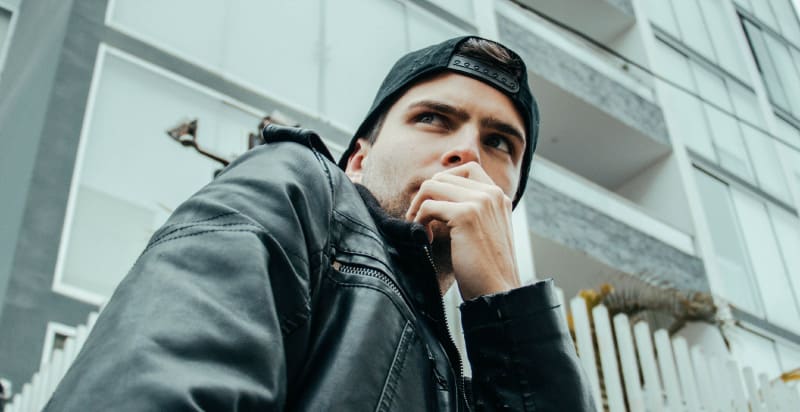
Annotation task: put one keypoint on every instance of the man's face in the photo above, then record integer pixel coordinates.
(438, 124)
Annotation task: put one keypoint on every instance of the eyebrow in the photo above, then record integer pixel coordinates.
(442, 108)
(502, 127)
(462, 115)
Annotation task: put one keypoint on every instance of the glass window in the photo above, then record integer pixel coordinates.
(787, 132)
(787, 73)
(187, 27)
(132, 177)
(425, 29)
(693, 28)
(675, 65)
(736, 284)
(787, 230)
(728, 142)
(745, 104)
(776, 290)
(711, 86)
(461, 8)
(766, 65)
(684, 113)
(763, 11)
(349, 87)
(661, 13)
(267, 49)
(766, 163)
(745, 4)
(728, 52)
(787, 19)
(5, 22)
(233, 39)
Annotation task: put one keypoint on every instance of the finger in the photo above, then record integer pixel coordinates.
(437, 210)
(438, 190)
(467, 183)
(470, 170)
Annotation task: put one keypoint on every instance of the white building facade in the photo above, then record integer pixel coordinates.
(669, 149)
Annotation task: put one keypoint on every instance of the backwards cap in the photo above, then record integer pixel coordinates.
(442, 57)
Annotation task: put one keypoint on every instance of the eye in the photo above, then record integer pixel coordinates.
(499, 142)
(431, 118)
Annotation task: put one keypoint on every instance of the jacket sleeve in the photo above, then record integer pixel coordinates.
(212, 314)
(521, 353)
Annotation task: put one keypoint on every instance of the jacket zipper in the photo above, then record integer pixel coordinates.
(366, 271)
(460, 378)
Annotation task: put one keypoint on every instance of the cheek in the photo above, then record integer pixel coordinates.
(505, 176)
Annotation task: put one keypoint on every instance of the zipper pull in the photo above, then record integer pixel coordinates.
(440, 380)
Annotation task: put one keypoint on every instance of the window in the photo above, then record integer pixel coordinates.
(777, 61)
(703, 26)
(307, 53)
(787, 20)
(130, 175)
(5, 32)
(768, 167)
(737, 284)
(693, 28)
(768, 266)
(5, 23)
(756, 246)
(730, 148)
(684, 112)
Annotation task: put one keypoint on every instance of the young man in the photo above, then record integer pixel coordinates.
(288, 284)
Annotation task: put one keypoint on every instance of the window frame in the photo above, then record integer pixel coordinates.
(732, 182)
(58, 284)
(12, 24)
(746, 17)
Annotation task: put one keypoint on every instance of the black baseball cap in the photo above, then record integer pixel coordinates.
(420, 64)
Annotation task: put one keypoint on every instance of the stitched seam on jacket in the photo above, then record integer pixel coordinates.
(398, 362)
(188, 224)
(371, 233)
(167, 238)
(489, 325)
(327, 246)
(388, 294)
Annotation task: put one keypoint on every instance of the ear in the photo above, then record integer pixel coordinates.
(357, 160)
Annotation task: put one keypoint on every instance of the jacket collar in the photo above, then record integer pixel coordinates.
(394, 229)
(406, 243)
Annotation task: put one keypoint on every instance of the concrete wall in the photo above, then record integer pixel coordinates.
(568, 222)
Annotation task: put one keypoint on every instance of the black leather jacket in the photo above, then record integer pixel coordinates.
(282, 286)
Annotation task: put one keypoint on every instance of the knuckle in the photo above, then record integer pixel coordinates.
(486, 200)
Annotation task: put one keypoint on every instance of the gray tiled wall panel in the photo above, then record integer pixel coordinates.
(564, 220)
(575, 77)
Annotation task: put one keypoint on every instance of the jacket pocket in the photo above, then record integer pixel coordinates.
(395, 370)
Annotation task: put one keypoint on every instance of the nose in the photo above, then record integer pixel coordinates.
(464, 148)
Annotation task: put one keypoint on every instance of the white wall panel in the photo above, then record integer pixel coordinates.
(776, 290)
(766, 163)
(130, 174)
(693, 28)
(737, 284)
(355, 63)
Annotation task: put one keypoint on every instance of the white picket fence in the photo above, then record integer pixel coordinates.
(675, 377)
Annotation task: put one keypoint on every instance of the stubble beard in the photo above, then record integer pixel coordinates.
(395, 198)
